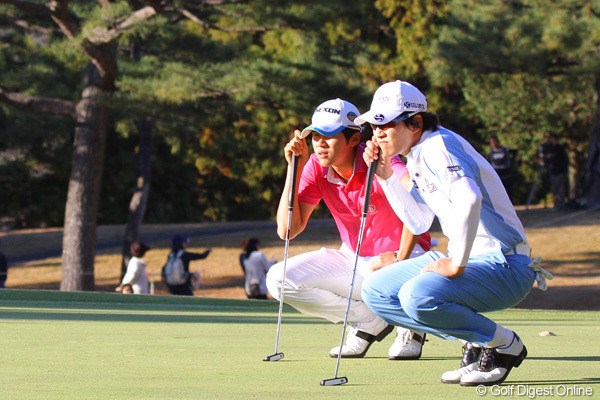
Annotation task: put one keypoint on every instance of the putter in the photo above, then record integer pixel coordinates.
(335, 381)
(278, 355)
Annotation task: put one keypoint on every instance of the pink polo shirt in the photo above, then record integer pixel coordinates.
(345, 200)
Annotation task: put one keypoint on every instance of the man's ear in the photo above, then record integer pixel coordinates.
(355, 139)
(417, 122)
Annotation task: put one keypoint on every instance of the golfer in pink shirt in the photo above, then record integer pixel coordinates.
(317, 282)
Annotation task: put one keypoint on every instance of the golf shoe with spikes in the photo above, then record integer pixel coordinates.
(469, 363)
(495, 364)
(360, 337)
(408, 345)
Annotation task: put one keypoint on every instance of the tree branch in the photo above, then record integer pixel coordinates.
(67, 22)
(46, 105)
(192, 17)
(102, 35)
(21, 23)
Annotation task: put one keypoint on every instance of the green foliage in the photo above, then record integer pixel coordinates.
(521, 110)
(523, 69)
(226, 90)
(414, 25)
(34, 67)
(34, 167)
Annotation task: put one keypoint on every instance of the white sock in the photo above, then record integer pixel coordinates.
(502, 338)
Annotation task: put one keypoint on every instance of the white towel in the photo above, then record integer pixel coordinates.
(540, 274)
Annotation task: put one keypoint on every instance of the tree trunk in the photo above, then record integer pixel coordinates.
(79, 236)
(139, 199)
(574, 173)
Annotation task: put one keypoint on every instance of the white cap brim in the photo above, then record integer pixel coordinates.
(377, 117)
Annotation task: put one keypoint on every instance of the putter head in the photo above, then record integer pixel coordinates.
(274, 357)
(334, 381)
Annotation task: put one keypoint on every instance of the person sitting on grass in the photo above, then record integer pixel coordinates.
(135, 279)
(256, 266)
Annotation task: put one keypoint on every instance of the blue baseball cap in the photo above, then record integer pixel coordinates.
(179, 239)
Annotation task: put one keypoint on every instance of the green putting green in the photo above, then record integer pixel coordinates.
(59, 345)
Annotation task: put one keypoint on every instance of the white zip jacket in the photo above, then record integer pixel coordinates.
(452, 181)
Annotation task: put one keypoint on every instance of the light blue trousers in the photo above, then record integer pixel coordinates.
(448, 307)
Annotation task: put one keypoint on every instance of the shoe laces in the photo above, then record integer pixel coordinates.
(471, 354)
(406, 337)
(488, 359)
(352, 327)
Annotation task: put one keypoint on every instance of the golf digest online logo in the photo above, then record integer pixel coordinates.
(534, 392)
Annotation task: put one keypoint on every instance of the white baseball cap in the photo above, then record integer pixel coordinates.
(332, 117)
(391, 100)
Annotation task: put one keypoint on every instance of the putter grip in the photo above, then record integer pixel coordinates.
(293, 188)
(369, 186)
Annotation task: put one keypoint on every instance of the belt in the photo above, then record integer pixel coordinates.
(521, 248)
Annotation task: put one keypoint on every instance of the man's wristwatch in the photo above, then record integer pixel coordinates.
(396, 256)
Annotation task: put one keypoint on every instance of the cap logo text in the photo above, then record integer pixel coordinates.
(328, 110)
(419, 106)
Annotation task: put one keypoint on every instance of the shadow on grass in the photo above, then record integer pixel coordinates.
(569, 358)
(113, 301)
(581, 381)
(98, 316)
(555, 382)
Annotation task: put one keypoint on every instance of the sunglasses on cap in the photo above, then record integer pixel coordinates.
(392, 123)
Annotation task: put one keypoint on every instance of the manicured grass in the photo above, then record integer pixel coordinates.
(109, 346)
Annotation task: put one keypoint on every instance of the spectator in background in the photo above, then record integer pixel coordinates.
(135, 277)
(553, 157)
(255, 266)
(501, 158)
(3, 269)
(191, 280)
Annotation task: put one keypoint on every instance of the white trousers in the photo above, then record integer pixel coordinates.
(317, 283)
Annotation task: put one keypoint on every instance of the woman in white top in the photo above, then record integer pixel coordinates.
(136, 276)
(255, 266)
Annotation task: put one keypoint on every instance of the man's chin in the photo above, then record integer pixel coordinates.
(325, 162)
(388, 152)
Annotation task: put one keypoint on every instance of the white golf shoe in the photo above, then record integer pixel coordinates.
(495, 364)
(360, 337)
(408, 345)
(469, 363)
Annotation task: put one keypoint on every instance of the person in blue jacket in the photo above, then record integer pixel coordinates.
(178, 249)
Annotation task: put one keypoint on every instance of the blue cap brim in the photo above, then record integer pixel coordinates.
(325, 131)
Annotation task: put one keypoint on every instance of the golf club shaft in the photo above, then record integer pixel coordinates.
(287, 245)
(365, 210)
